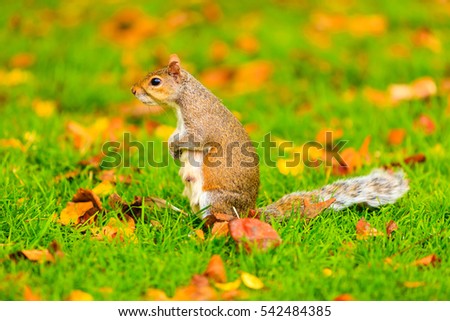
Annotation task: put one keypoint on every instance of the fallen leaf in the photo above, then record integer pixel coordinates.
(344, 297)
(410, 160)
(218, 51)
(327, 136)
(78, 295)
(220, 229)
(116, 229)
(73, 212)
(327, 272)
(22, 60)
(426, 124)
(12, 142)
(364, 230)
(252, 76)
(129, 27)
(234, 295)
(155, 295)
(247, 43)
(253, 233)
(44, 108)
(217, 77)
(251, 281)
(200, 234)
(229, 286)
(391, 226)
(396, 136)
(198, 290)
(413, 284)
(14, 77)
(29, 295)
(216, 270)
(426, 39)
(431, 259)
(41, 256)
(103, 189)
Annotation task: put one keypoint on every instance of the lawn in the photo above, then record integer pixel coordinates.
(290, 68)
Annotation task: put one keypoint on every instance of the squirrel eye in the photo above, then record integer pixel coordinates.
(155, 81)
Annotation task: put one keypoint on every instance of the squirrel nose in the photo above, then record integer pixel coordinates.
(133, 90)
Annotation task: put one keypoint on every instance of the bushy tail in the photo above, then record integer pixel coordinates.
(378, 188)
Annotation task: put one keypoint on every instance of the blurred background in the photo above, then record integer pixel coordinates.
(293, 68)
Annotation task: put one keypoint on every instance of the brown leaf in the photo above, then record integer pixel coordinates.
(364, 230)
(311, 210)
(216, 270)
(410, 160)
(29, 295)
(344, 297)
(253, 233)
(74, 212)
(391, 227)
(431, 259)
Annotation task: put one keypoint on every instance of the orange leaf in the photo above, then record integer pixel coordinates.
(431, 259)
(200, 234)
(396, 136)
(78, 295)
(253, 233)
(22, 60)
(311, 210)
(29, 295)
(364, 230)
(73, 211)
(38, 255)
(413, 284)
(344, 297)
(216, 269)
(217, 77)
(220, 229)
(198, 290)
(252, 76)
(248, 44)
(155, 295)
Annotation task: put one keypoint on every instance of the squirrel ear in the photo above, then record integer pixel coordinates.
(174, 66)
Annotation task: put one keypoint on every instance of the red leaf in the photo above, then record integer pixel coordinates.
(253, 233)
(216, 270)
(391, 227)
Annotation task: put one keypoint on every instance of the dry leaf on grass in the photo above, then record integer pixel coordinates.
(254, 234)
(30, 295)
(116, 229)
(391, 226)
(431, 259)
(396, 136)
(103, 189)
(425, 124)
(47, 255)
(251, 281)
(220, 229)
(85, 204)
(344, 297)
(155, 295)
(364, 230)
(413, 284)
(78, 295)
(198, 290)
(234, 285)
(216, 270)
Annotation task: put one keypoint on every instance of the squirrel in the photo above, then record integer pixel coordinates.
(219, 164)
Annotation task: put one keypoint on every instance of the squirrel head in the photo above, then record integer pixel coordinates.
(161, 87)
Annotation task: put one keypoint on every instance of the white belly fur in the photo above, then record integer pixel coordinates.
(191, 174)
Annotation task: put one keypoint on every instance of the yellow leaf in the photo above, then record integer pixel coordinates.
(413, 284)
(73, 211)
(12, 142)
(78, 295)
(251, 281)
(228, 286)
(327, 272)
(292, 167)
(44, 108)
(14, 77)
(155, 295)
(104, 188)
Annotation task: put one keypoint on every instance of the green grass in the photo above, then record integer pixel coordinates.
(84, 73)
